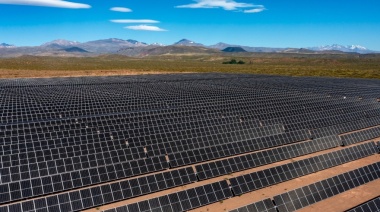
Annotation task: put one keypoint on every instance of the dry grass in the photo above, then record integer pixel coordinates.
(73, 73)
(279, 64)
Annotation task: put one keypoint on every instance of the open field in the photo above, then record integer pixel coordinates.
(345, 65)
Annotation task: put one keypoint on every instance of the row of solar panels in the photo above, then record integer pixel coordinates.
(35, 133)
(107, 193)
(17, 169)
(41, 94)
(289, 201)
(155, 88)
(139, 152)
(29, 113)
(66, 133)
(36, 187)
(157, 149)
(302, 197)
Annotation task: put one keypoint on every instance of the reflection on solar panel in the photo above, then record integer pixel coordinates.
(69, 144)
(370, 206)
(305, 196)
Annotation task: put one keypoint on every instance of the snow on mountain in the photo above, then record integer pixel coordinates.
(186, 42)
(61, 43)
(337, 47)
(157, 44)
(110, 45)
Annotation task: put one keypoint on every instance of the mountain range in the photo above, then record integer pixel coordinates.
(349, 48)
(138, 49)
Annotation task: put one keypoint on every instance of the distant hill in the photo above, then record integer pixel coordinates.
(222, 46)
(166, 50)
(60, 43)
(75, 49)
(111, 45)
(186, 42)
(301, 50)
(234, 49)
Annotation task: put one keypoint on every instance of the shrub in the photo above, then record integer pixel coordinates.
(233, 61)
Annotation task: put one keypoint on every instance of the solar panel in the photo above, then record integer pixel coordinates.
(182, 201)
(370, 206)
(265, 205)
(359, 136)
(310, 194)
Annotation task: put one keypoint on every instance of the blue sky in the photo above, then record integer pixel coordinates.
(266, 23)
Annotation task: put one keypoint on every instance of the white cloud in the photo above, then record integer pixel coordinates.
(145, 28)
(256, 10)
(47, 3)
(225, 4)
(135, 21)
(121, 9)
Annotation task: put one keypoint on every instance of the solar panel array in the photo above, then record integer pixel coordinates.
(316, 192)
(282, 173)
(68, 144)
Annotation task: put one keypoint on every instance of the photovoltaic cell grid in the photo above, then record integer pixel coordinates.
(335, 184)
(359, 136)
(108, 193)
(183, 200)
(370, 206)
(220, 151)
(346, 127)
(316, 192)
(227, 166)
(261, 179)
(60, 134)
(260, 206)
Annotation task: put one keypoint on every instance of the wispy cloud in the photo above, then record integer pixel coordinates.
(225, 4)
(47, 3)
(135, 21)
(145, 28)
(256, 10)
(121, 9)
